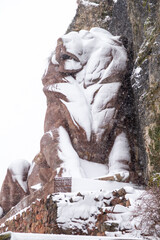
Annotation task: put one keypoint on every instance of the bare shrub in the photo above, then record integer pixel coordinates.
(148, 213)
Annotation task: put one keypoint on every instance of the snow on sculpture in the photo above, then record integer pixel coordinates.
(84, 131)
(82, 85)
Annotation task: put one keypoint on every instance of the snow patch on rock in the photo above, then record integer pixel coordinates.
(92, 169)
(84, 207)
(1, 212)
(88, 3)
(71, 161)
(74, 166)
(19, 170)
(37, 186)
(120, 152)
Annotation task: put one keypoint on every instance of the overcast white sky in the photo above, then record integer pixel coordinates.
(28, 33)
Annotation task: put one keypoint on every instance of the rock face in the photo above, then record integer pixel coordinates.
(145, 78)
(138, 24)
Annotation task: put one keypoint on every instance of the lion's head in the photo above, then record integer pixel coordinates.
(93, 56)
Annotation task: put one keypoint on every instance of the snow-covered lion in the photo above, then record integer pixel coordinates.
(83, 88)
(84, 131)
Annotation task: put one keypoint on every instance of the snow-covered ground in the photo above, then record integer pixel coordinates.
(88, 185)
(33, 236)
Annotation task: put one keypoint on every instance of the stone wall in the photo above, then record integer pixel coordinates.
(41, 217)
(55, 185)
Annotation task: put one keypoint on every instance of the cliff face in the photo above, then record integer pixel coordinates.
(145, 77)
(137, 22)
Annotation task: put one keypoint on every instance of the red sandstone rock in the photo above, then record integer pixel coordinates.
(14, 187)
(40, 172)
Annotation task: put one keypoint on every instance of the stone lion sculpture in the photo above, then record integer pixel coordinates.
(84, 131)
(83, 89)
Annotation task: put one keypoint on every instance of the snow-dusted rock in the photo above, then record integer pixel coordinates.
(83, 86)
(15, 185)
(1, 212)
(39, 173)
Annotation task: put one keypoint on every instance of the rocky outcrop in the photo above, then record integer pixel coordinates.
(39, 173)
(138, 24)
(15, 186)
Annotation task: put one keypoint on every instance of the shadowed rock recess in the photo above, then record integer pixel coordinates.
(102, 123)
